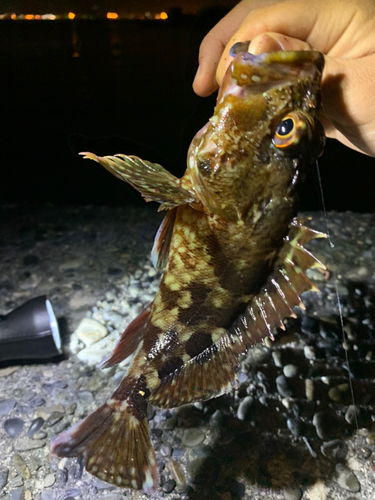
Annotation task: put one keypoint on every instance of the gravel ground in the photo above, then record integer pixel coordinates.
(292, 430)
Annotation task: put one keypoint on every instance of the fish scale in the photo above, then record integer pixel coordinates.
(232, 252)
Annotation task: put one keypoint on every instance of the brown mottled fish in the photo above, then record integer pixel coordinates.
(232, 252)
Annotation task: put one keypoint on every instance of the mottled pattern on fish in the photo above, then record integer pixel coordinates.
(232, 252)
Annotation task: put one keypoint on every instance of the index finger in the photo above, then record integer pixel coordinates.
(214, 43)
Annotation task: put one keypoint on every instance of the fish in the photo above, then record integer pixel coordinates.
(231, 248)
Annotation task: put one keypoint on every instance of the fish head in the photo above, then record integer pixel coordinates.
(263, 136)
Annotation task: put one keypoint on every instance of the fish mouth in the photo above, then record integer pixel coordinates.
(286, 57)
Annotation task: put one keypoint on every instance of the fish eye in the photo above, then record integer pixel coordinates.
(285, 127)
(289, 130)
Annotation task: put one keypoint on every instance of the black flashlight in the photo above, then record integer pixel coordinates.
(30, 332)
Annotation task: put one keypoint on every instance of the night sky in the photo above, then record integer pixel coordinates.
(88, 6)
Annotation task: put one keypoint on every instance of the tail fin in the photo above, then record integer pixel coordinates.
(117, 447)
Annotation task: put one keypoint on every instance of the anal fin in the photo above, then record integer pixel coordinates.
(209, 374)
(150, 179)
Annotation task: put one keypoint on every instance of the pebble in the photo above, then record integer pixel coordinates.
(192, 437)
(16, 494)
(42, 412)
(89, 331)
(37, 401)
(351, 414)
(4, 472)
(364, 452)
(25, 444)
(338, 393)
(309, 389)
(20, 466)
(33, 464)
(28, 495)
(16, 482)
(113, 317)
(49, 480)
(371, 439)
(165, 450)
(31, 281)
(86, 397)
(93, 354)
(13, 427)
(309, 352)
(294, 425)
(346, 478)
(169, 486)
(54, 418)
(46, 495)
(277, 359)
(290, 370)
(336, 449)
(6, 406)
(75, 492)
(244, 408)
(323, 424)
(178, 473)
(292, 493)
(283, 386)
(40, 435)
(71, 409)
(35, 426)
(4, 372)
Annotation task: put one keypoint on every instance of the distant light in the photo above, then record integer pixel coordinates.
(13, 16)
(29, 17)
(71, 15)
(163, 15)
(112, 15)
(37, 17)
(48, 17)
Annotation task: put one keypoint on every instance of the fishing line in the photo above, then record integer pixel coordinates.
(344, 335)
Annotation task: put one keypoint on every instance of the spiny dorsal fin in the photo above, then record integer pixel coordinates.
(150, 179)
(162, 242)
(282, 292)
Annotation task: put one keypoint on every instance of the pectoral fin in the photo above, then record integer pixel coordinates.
(150, 179)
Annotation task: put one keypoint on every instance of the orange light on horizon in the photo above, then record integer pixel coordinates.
(29, 17)
(163, 15)
(112, 15)
(71, 15)
(13, 16)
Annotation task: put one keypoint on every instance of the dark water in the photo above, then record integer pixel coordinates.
(118, 87)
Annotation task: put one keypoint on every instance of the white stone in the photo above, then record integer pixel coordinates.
(93, 354)
(90, 331)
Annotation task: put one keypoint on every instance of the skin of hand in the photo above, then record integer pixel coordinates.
(343, 30)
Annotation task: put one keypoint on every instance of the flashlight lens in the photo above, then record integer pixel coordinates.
(53, 324)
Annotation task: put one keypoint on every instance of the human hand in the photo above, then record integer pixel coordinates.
(342, 30)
